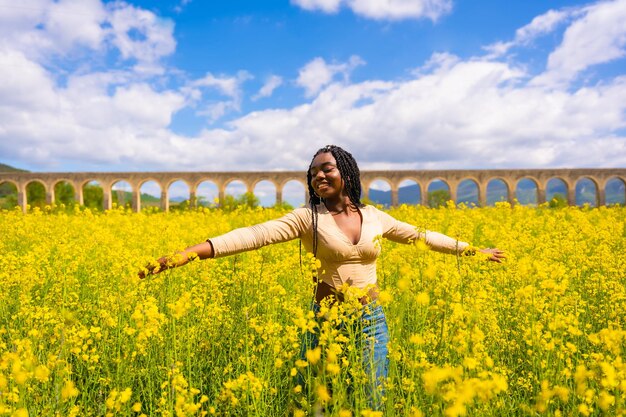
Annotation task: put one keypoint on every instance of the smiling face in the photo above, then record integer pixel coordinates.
(326, 179)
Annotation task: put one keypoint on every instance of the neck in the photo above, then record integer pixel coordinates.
(338, 205)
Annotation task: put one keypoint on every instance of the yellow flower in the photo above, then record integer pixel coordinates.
(384, 298)
(333, 368)
(313, 355)
(322, 394)
(125, 395)
(422, 299)
(20, 412)
(605, 400)
(42, 373)
(69, 390)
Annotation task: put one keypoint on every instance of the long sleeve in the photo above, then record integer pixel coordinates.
(401, 232)
(288, 227)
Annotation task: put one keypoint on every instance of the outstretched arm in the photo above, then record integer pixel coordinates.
(288, 227)
(202, 250)
(403, 232)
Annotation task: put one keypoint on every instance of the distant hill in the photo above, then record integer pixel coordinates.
(8, 168)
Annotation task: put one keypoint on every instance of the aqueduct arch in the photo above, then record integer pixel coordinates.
(600, 177)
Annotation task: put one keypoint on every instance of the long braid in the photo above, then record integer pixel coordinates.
(349, 170)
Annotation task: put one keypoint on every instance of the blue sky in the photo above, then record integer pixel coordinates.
(260, 85)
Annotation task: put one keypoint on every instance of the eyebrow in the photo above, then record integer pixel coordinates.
(321, 165)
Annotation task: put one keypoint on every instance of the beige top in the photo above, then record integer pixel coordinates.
(341, 260)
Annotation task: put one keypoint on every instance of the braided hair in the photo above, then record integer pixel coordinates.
(349, 170)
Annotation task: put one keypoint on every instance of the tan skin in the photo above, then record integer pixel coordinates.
(327, 183)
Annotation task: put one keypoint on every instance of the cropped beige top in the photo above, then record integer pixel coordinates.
(341, 260)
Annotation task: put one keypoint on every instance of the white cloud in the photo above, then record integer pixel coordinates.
(140, 34)
(596, 34)
(229, 86)
(179, 7)
(472, 114)
(596, 37)
(540, 25)
(383, 9)
(317, 73)
(401, 9)
(43, 27)
(47, 30)
(450, 113)
(328, 6)
(271, 83)
(76, 22)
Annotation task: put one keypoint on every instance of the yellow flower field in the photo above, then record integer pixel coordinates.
(541, 334)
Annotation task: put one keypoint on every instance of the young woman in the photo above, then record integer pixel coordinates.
(341, 233)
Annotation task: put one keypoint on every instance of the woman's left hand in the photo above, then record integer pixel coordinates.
(494, 254)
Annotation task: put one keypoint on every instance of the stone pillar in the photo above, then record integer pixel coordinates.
(81, 196)
(165, 204)
(394, 197)
(541, 195)
(279, 196)
(107, 200)
(221, 195)
(193, 200)
(571, 195)
(453, 187)
(49, 194)
(21, 198)
(601, 196)
(510, 190)
(482, 194)
(136, 200)
(424, 194)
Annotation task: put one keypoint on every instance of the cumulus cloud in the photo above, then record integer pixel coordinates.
(271, 83)
(47, 29)
(451, 112)
(85, 114)
(229, 86)
(540, 25)
(473, 114)
(383, 9)
(43, 27)
(595, 34)
(317, 73)
(140, 34)
(596, 37)
(327, 6)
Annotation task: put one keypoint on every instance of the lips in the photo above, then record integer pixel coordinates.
(322, 186)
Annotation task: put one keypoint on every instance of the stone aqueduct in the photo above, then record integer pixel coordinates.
(540, 177)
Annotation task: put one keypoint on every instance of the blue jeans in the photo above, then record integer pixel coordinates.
(374, 337)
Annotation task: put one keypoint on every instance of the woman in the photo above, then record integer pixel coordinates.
(341, 232)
